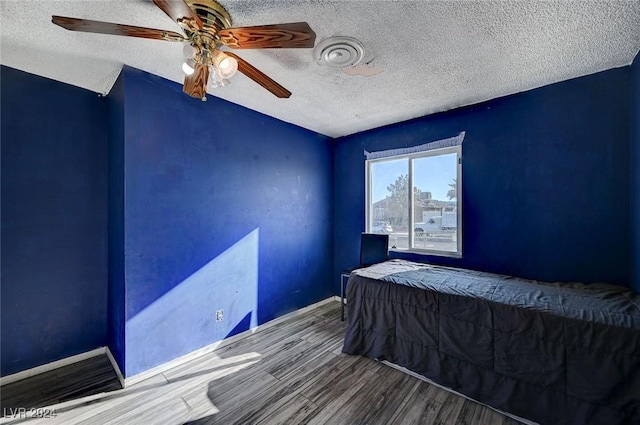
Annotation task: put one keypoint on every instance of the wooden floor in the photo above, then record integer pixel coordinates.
(290, 373)
(81, 379)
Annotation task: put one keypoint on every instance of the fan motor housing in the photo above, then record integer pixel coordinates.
(339, 52)
(213, 15)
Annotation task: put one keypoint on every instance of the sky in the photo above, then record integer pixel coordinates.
(431, 174)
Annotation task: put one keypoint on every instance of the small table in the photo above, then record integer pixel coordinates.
(344, 277)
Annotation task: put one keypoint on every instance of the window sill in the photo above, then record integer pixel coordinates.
(448, 254)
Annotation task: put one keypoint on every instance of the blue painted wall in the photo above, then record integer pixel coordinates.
(54, 221)
(224, 208)
(635, 167)
(545, 175)
(116, 287)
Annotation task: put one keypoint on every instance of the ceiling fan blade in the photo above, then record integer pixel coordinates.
(195, 85)
(99, 27)
(293, 35)
(178, 10)
(259, 77)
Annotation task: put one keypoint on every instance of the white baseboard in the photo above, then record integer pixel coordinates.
(125, 382)
(219, 344)
(50, 366)
(114, 363)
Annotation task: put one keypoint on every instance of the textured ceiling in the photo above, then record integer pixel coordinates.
(434, 55)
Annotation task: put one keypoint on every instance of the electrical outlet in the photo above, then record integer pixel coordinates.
(219, 315)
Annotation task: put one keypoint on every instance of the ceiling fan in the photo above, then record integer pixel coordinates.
(207, 26)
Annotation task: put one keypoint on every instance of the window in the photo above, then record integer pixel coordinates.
(426, 219)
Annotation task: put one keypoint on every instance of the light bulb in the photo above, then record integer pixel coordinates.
(226, 65)
(187, 68)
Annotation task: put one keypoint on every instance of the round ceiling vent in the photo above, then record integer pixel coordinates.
(339, 52)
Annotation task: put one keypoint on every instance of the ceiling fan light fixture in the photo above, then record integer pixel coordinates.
(188, 67)
(189, 51)
(224, 64)
(216, 79)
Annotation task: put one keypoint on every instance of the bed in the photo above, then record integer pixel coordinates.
(551, 353)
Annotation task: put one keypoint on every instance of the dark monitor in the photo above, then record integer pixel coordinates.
(374, 248)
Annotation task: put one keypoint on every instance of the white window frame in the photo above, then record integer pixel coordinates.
(369, 218)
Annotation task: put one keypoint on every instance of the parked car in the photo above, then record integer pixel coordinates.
(381, 227)
(436, 224)
(433, 225)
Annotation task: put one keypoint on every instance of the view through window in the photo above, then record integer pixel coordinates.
(427, 218)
